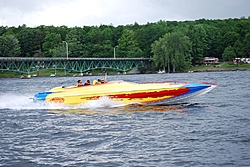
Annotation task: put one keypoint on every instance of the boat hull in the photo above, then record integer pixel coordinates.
(126, 93)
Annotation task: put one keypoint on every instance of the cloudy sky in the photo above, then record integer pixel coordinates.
(116, 12)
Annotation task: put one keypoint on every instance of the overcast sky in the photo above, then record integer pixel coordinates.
(73, 13)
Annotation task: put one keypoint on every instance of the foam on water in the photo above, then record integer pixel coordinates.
(102, 102)
(20, 102)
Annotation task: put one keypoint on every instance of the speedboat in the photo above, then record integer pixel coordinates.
(121, 92)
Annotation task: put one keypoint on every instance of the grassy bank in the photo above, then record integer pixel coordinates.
(219, 67)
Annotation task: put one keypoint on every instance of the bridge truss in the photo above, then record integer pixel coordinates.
(81, 65)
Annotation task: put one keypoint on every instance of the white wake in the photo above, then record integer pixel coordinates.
(21, 102)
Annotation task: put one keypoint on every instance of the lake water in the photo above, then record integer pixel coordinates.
(211, 130)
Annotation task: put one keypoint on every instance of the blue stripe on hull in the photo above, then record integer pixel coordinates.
(195, 87)
(40, 97)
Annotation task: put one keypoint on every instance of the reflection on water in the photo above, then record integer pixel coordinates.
(119, 110)
(144, 108)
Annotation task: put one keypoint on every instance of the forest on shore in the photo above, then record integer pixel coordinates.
(175, 45)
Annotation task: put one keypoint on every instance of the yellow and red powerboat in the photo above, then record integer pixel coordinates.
(122, 92)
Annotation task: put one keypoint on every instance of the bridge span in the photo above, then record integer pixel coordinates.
(73, 65)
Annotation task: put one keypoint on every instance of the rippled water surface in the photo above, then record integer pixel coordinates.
(211, 130)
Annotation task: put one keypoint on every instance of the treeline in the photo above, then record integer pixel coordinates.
(172, 44)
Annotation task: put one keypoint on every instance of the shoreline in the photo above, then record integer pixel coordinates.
(221, 69)
(135, 73)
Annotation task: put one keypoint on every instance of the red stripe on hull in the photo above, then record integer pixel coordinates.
(155, 94)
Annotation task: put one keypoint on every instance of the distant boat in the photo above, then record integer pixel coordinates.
(161, 72)
(52, 75)
(23, 77)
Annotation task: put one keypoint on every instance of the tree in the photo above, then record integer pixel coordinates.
(214, 46)
(230, 37)
(38, 40)
(147, 34)
(160, 56)
(172, 50)
(239, 49)
(2, 30)
(9, 46)
(75, 46)
(107, 43)
(229, 53)
(63, 31)
(51, 41)
(128, 45)
(25, 37)
(197, 35)
(246, 44)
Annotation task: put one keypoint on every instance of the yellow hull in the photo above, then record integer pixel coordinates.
(119, 91)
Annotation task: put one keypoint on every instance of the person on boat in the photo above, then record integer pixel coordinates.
(96, 82)
(79, 83)
(100, 81)
(103, 80)
(87, 83)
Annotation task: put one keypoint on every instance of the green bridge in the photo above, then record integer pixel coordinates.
(73, 65)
